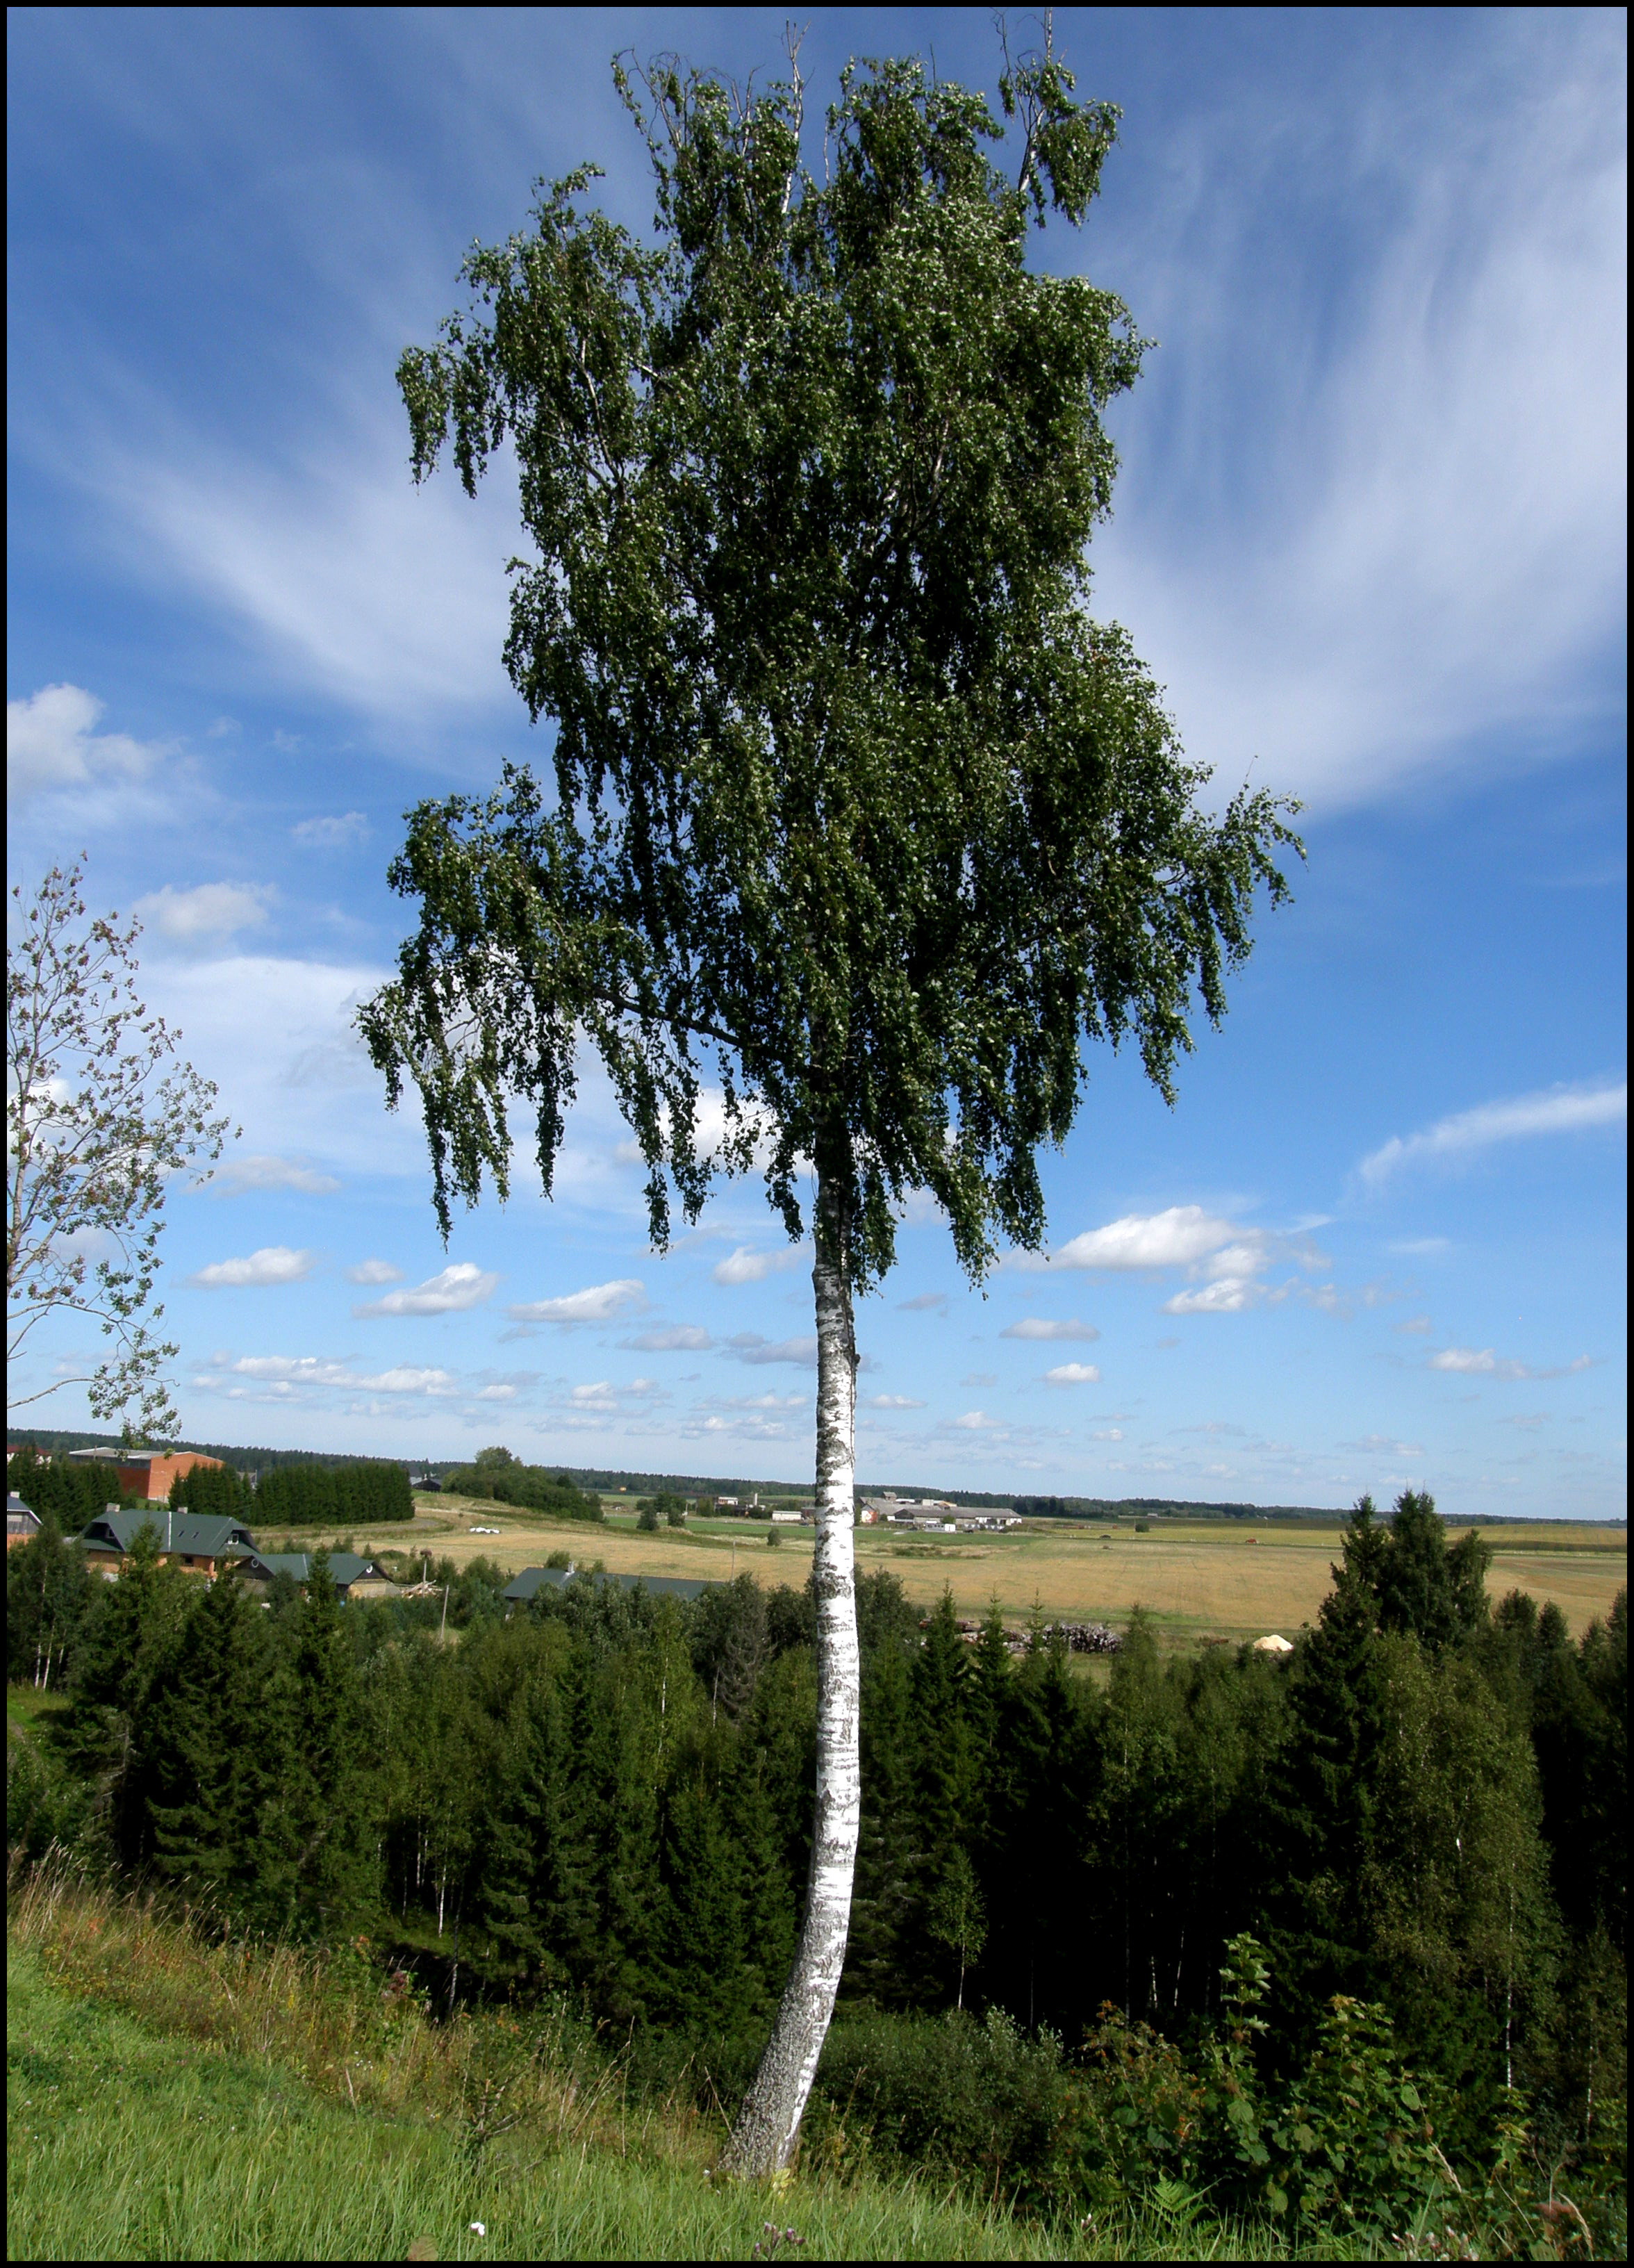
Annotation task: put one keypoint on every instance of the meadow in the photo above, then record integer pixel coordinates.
(176, 2095)
(1197, 1580)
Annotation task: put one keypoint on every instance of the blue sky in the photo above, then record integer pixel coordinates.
(1369, 533)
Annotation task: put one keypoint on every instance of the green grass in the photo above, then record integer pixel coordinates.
(130, 2141)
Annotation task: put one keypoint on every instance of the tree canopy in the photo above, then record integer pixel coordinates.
(855, 810)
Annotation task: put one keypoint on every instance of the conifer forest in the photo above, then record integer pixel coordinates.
(1401, 1851)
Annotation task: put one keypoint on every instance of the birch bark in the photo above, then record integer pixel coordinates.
(769, 2124)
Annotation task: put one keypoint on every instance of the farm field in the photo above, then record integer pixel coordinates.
(1201, 1580)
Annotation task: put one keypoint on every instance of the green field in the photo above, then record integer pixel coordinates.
(165, 2100)
(1196, 1580)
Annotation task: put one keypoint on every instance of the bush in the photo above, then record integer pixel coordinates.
(975, 2097)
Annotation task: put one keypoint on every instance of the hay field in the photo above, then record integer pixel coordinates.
(1197, 1580)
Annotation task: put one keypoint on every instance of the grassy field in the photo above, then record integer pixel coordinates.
(1201, 1580)
(167, 2098)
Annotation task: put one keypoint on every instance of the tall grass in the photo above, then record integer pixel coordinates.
(175, 2093)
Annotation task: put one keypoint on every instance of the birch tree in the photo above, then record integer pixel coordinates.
(100, 1113)
(858, 827)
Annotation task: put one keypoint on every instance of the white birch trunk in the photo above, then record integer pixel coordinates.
(768, 2124)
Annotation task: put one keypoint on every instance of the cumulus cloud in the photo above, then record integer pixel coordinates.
(975, 1421)
(671, 1339)
(1413, 1327)
(747, 1266)
(374, 1271)
(450, 1292)
(598, 1303)
(1560, 1110)
(50, 744)
(1045, 1326)
(1074, 1373)
(241, 1174)
(274, 1263)
(1482, 1362)
(206, 914)
(335, 833)
(1171, 1238)
(891, 1402)
(749, 1346)
(404, 1380)
(497, 1394)
(1107, 1433)
(925, 1303)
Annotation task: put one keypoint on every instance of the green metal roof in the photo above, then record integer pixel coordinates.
(190, 1535)
(532, 1580)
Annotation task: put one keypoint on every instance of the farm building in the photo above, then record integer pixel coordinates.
(145, 1474)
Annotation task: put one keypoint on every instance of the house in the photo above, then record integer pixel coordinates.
(20, 1523)
(203, 1545)
(145, 1474)
(525, 1587)
(354, 1575)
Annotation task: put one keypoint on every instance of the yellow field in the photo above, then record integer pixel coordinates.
(1201, 1580)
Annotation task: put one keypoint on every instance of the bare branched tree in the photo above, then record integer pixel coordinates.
(100, 1112)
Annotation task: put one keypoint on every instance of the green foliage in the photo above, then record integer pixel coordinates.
(63, 1489)
(1302, 1888)
(213, 1491)
(851, 798)
(503, 1479)
(47, 1598)
(367, 1492)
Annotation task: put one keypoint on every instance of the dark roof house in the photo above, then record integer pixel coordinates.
(205, 1544)
(532, 1580)
(20, 1522)
(354, 1575)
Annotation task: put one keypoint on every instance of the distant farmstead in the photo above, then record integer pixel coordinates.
(204, 1545)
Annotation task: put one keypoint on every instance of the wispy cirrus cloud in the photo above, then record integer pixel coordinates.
(671, 1339)
(1526, 1117)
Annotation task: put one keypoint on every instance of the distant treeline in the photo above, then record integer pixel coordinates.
(1143, 1507)
(503, 1479)
(58, 1490)
(244, 1461)
(299, 1496)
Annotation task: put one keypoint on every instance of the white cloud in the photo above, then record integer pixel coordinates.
(402, 1380)
(497, 1394)
(1171, 1239)
(50, 744)
(924, 1304)
(1411, 546)
(749, 1346)
(292, 1370)
(975, 1421)
(1415, 1326)
(1044, 1326)
(747, 1266)
(374, 1271)
(1107, 1433)
(599, 1303)
(1561, 1110)
(206, 914)
(240, 1175)
(1482, 1362)
(1227, 1295)
(340, 832)
(274, 1263)
(671, 1339)
(597, 1396)
(450, 1292)
(1074, 1373)
(891, 1402)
